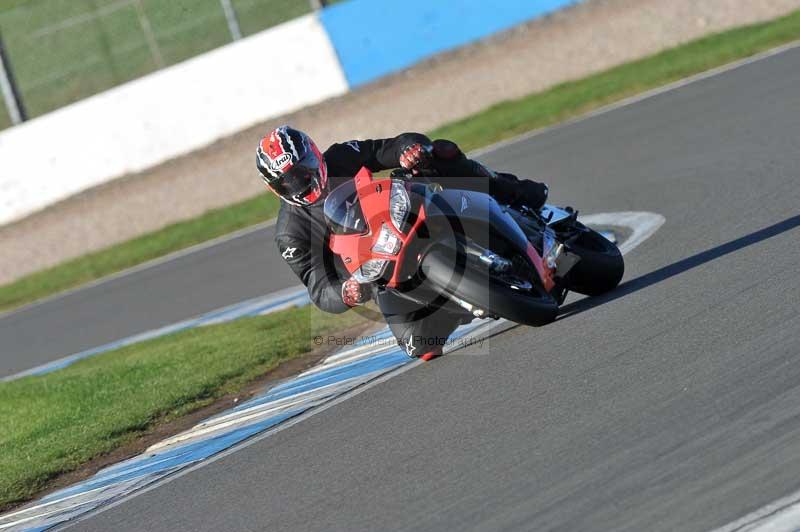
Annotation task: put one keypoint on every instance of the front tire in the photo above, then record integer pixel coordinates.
(476, 286)
(601, 266)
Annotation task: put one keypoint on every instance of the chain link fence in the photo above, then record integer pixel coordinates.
(60, 51)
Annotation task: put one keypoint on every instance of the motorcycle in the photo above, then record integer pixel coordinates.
(462, 250)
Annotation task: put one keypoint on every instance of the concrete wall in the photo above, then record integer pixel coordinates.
(165, 114)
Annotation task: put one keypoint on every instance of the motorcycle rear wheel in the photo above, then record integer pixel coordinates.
(495, 296)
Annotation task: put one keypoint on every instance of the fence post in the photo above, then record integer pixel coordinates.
(105, 40)
(149, 36)
(8, 85)
(233, 22)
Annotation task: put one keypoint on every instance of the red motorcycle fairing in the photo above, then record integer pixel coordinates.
(374, 199)
(544, 271)
(356, 249)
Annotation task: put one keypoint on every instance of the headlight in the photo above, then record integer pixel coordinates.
(388, 242)
(551, 249)
(370, 270)
(399, 204)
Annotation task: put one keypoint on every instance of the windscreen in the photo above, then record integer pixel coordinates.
(342, 211)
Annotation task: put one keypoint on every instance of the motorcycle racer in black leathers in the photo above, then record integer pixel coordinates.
(295, 169)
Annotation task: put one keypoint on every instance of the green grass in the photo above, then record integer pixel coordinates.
(496, 123)
(54, 423)
(126, 254)
(65, 50)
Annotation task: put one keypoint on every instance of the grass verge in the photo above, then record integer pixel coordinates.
(53, 424)
(494, 124)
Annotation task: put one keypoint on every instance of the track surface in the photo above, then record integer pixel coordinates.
(672, 405)
(193, 284)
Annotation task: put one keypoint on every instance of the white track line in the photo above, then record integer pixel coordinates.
(782, 515)
(643, 225)
(250, 414)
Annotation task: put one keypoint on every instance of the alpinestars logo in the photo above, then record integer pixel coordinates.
(288, 253)
(354, 144)
(464, 203)
(410, 347)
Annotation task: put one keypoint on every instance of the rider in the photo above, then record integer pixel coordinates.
(295, 169)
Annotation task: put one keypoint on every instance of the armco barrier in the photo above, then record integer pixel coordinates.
(377, 37)
(165, 114)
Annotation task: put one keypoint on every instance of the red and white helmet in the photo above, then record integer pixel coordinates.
(292, 166)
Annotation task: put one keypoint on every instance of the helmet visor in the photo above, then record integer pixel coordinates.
(302, 183)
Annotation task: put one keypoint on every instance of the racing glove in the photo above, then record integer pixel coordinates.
(416, 157)
(355, 293)
(531, 193)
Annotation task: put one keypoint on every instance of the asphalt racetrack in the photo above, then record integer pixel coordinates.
(672, 404)
(192, 284)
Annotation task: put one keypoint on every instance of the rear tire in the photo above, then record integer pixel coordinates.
(488, 293)
(601, 266)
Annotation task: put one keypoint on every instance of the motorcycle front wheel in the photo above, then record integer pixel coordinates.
(601, 266)
(499, 296)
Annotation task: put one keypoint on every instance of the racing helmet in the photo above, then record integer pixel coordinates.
(292, 166)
